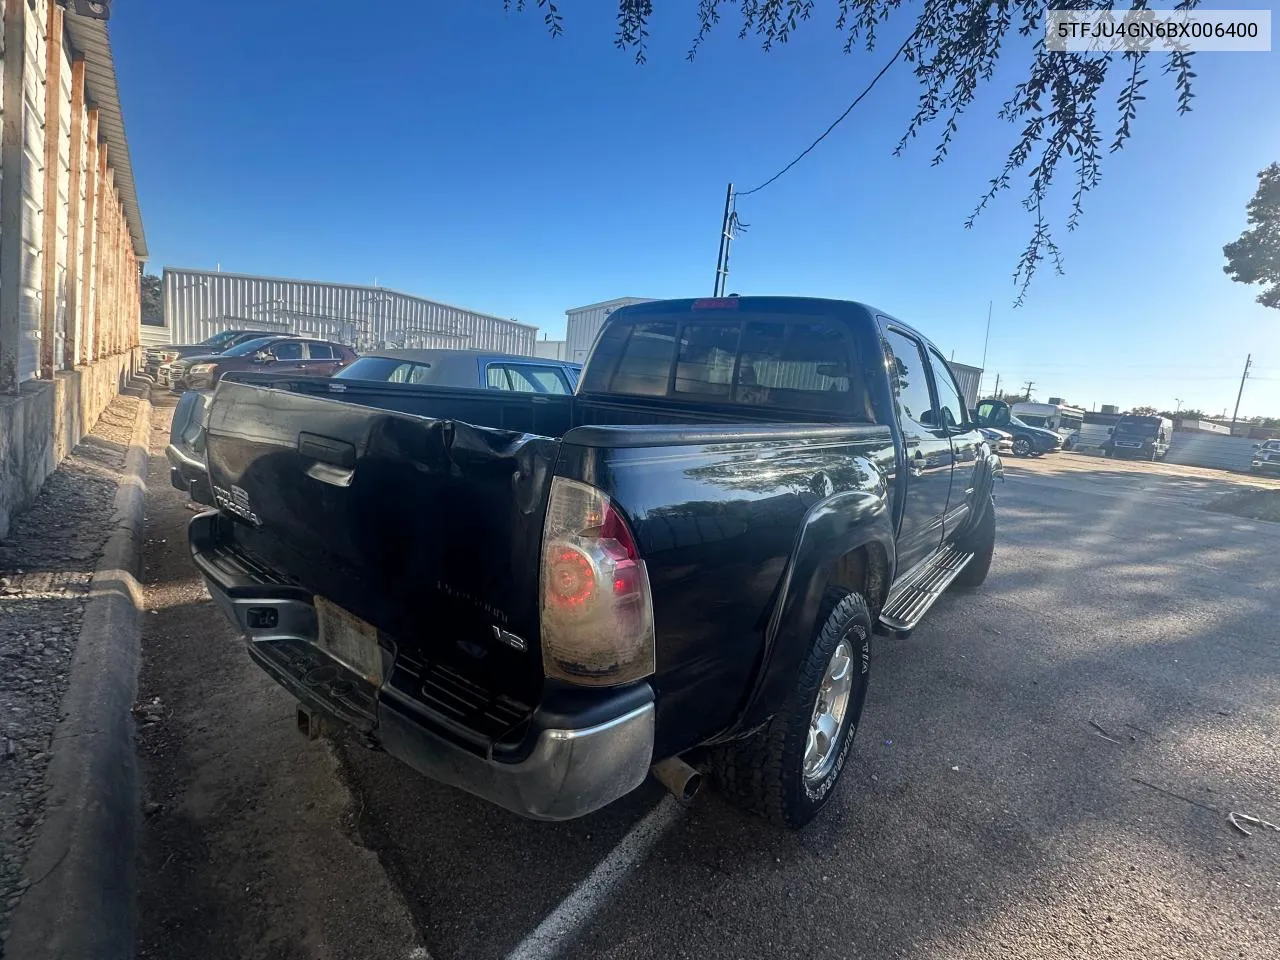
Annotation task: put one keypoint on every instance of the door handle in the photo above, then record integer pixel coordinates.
(335, 460)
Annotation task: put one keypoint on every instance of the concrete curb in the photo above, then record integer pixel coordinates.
(81, 900)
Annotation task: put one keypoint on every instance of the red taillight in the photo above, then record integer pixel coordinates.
(571, 580)
(716, 303)
(597, 615)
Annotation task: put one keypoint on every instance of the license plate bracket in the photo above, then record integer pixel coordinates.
(347, 638)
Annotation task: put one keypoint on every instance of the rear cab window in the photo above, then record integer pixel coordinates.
(800, 363)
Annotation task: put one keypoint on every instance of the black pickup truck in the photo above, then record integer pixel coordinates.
(536, 598)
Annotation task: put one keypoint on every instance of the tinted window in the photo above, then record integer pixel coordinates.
(287, 350)
(793, 364)
(385, 368)
(633, 359)
(950, 406)
(906, 373)
(248, 348)
(319, 351)
(704, 365)
(218, 339)
(798, 364)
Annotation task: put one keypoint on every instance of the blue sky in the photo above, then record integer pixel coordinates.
(466, 156)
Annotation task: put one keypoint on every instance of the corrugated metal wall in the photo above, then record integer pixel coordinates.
(199, 303)
(1188, 448)
(550, 349)
(968, 379)
(1210, 450)
(583, 323)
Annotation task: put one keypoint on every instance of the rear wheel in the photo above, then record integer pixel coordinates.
(787, 771)
(1021, 447)
(981, 540)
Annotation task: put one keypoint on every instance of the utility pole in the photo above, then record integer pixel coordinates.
(997, 390)
(726, 237)
(1248, 362)
(1030, 384)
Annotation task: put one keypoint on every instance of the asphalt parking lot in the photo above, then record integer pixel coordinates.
(1045, 769)
(1157, 483)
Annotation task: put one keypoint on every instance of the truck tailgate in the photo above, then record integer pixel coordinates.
(428, 529)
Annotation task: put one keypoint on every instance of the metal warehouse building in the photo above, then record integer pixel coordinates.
(583, 323)
(199, 303)
(71, 240)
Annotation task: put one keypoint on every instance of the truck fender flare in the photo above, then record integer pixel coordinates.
(833, 527)
(985, 473)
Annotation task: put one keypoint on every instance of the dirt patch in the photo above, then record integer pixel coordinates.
(1253, 504)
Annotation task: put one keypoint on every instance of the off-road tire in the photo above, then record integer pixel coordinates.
(982, 541)
(764, 774)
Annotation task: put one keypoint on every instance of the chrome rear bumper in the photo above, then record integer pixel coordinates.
(561, 770)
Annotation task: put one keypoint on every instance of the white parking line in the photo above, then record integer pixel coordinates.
(558, 930)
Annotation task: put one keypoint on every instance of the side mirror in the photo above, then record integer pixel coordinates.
(1110, 430)
(263, 356)
(1257, 446)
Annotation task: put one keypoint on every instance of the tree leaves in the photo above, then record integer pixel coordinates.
(954, 50)
(1255, 257)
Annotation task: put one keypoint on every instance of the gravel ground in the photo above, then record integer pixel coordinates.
(45, 568)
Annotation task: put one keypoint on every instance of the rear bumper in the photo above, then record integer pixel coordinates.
(569, 763)
(188, 474)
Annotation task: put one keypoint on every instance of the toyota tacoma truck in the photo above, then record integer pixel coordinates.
(537, 598)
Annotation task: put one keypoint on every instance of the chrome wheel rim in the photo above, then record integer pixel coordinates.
(829, 711)
(1021, 447)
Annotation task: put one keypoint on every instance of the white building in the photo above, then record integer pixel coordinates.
(551, 349)
(199, 303)
(71, 239)
(583, 323)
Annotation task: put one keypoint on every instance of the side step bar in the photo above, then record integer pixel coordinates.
(912, 596)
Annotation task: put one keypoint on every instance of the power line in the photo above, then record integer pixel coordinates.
(835, 123)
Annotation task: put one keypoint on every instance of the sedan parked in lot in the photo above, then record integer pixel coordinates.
(1000, 441)
(160, 358)
(279, 354)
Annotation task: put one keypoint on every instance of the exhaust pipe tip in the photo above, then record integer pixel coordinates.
(682, 780)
